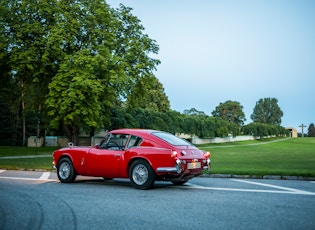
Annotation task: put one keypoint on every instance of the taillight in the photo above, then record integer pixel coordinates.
(207, 154)
(174, 154)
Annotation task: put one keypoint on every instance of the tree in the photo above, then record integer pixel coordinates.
(75, 95)
(83, 54)
(231, 111)
(148, 93)
(194, 112)
(263, 130)
(28, 57)
(267, 111)
(311, 130)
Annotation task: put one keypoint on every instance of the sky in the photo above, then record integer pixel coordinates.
(212, 51)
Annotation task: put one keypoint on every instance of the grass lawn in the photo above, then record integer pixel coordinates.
(290, 157)
(26, 163)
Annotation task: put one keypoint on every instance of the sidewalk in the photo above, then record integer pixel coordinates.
(30, 156)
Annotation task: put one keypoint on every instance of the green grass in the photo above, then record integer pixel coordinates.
(25, 151)
(290, 157)
(26, 163)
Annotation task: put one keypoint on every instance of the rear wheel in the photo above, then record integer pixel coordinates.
(141, 175)
(65, 171)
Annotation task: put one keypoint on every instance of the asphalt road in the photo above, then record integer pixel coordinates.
(36, 200)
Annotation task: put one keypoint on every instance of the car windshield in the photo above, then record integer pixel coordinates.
(170, 138)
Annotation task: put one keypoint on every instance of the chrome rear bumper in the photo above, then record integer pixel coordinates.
(166, 169)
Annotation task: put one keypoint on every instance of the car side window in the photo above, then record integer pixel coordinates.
(134, 141)
(114, 142)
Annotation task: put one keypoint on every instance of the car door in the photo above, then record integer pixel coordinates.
(105, 160)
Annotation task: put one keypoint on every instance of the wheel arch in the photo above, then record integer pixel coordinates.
(138, 158)
(66, 155)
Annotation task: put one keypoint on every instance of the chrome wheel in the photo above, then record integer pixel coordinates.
(64, 170)
(140, 174)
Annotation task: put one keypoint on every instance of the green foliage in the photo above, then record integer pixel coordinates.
(225, 128)
(174, 122)
(194, 112)
(71, 61)
(75, 93)
(311, 130)
(231, 111)
(169, 121)
(263, 130)
(267, 111)
(148, 93)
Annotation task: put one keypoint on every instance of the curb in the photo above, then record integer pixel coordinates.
(269, 177)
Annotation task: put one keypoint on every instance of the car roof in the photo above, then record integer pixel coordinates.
(134, 131)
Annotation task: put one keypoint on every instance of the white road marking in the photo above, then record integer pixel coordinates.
(1, 171)
(24, 178)
(294, 191)
(44, 176)
(287, 191)
(266, 185)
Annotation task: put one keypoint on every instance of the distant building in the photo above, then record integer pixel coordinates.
(293, 132)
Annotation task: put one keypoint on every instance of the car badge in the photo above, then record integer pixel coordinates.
(192, 153)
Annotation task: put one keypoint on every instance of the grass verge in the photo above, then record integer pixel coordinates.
(42, 162)
(287, 157)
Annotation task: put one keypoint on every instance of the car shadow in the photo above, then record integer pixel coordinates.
(119, 182)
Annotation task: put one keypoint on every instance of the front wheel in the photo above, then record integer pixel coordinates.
(141, 175)
(65, 171)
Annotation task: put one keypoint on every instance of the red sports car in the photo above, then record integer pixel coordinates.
(142, 155)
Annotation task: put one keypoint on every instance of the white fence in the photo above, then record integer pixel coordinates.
(62, 141)
(198, 141)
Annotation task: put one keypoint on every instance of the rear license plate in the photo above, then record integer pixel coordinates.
(194, 165)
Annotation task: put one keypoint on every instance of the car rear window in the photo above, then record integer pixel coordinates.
(170, 138)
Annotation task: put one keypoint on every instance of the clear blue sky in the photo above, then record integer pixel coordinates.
(212, 51)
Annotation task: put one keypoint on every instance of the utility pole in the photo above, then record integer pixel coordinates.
(302, 126)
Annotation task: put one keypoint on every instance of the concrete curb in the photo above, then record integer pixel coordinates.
(269, 177)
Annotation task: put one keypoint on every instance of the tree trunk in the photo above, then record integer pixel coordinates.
(72, 132)
(23, 117)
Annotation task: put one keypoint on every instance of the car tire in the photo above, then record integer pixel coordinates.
(65, 171)
(141, 175)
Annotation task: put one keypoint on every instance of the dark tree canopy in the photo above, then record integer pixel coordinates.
(231, 111)
(71, 61)
(311, 130)
(194, 112)
(267, 111)
(263, 130)
(148, 93)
